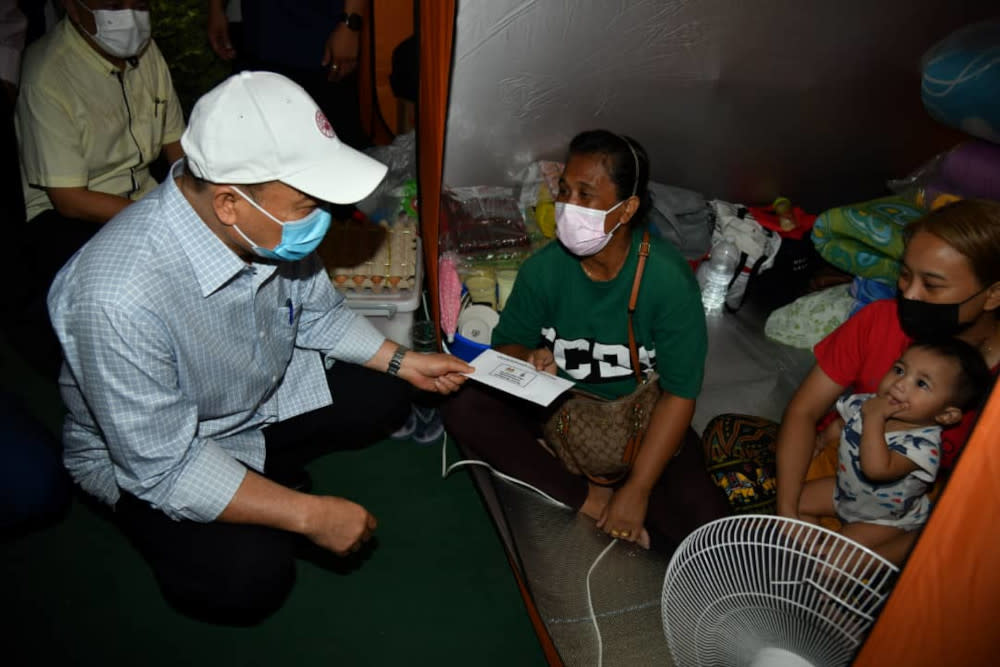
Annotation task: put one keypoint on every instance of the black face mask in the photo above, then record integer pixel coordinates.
(922, 320)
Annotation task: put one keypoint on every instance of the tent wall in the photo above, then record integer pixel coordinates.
(944, 608)
(812, 99)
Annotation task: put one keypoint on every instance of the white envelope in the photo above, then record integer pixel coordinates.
(518, 378)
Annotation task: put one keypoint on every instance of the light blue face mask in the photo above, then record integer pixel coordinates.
(298, 237)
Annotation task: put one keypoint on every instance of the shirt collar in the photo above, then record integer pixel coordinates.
(79, 44)
(213, 262)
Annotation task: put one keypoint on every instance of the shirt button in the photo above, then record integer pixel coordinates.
(274, 378)
(261, 334)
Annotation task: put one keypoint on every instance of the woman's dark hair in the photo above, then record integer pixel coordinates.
(626, 162)
(974, 380)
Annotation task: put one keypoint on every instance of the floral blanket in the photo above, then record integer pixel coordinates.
(866, 239)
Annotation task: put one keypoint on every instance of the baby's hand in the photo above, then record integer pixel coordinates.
(881, 407)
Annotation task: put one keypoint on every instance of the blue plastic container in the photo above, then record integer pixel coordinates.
(466, 349)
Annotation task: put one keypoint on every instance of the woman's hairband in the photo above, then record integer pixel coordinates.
(635, 183)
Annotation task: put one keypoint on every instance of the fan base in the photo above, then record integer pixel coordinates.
(778, 657)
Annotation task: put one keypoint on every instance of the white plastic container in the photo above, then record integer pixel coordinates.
(392, 313)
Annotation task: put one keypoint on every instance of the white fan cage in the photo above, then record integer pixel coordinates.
(763, 590)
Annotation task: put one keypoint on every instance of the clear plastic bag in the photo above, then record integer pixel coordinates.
(482, 219)
(969, 170)
(385, 202)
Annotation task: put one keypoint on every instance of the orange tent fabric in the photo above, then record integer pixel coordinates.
(436, 29)
(945, 606)
(391, 22)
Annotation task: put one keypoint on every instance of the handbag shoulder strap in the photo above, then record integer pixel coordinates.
(633, 298)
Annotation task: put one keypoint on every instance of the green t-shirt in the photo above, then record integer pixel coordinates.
(585, 323)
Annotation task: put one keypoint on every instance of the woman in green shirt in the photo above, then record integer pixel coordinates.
(567, 314)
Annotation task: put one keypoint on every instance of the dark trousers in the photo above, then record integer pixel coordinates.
(239, 574)
(44, 245)
(504, 431)
(34, 487)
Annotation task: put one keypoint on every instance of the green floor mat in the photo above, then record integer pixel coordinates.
(435, 590)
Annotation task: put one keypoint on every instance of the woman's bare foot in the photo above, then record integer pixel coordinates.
(597, 499)
(643, 540)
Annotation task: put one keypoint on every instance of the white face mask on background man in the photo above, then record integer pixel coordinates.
(581, 229)
(120, 32)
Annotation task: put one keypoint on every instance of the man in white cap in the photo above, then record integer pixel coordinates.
(199, 333)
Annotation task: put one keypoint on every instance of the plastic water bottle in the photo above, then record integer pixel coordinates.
(715, 274)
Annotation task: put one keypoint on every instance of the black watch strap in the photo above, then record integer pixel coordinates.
(397, 360)
(353, 21)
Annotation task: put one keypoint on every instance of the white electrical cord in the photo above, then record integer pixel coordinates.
(446, 470)
(590, 603)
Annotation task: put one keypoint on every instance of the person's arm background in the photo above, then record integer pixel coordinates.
(173, 152)
(83, 204)
(99, 207)
(13, 27)
(797, 436)
(218, 30)
(343, 46)
(628, 506)
(334, 523)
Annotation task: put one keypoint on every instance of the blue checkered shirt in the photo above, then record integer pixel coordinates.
(177, 353)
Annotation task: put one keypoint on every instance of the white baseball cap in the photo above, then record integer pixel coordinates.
(256, 127)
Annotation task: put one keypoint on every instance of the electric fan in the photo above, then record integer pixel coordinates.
(769, 591)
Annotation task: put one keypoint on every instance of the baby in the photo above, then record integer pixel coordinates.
(890, 442)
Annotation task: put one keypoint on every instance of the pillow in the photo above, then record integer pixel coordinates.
(961, 77)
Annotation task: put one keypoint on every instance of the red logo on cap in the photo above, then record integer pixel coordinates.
(324, 125)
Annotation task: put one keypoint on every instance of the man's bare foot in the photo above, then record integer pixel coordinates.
(597, 499)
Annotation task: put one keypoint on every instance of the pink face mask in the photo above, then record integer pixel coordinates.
(581, 229)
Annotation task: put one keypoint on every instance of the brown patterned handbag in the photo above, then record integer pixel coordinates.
(600, 438)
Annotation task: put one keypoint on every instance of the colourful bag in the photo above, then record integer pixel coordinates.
(739, 456)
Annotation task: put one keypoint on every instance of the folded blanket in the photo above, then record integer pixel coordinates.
(807, 320)
(865, 291)
(866, 239)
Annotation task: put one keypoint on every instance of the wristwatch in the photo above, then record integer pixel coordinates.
(397, 360)
(353, 21)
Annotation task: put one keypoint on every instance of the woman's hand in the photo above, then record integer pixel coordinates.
(625, 514)
(797, 436)
(542, 360)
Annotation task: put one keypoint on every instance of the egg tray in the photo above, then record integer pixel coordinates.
(363, 258)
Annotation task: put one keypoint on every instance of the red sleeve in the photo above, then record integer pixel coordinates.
(953, 439)
(860, 351)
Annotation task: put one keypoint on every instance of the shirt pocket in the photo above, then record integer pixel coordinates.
(278, 345)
